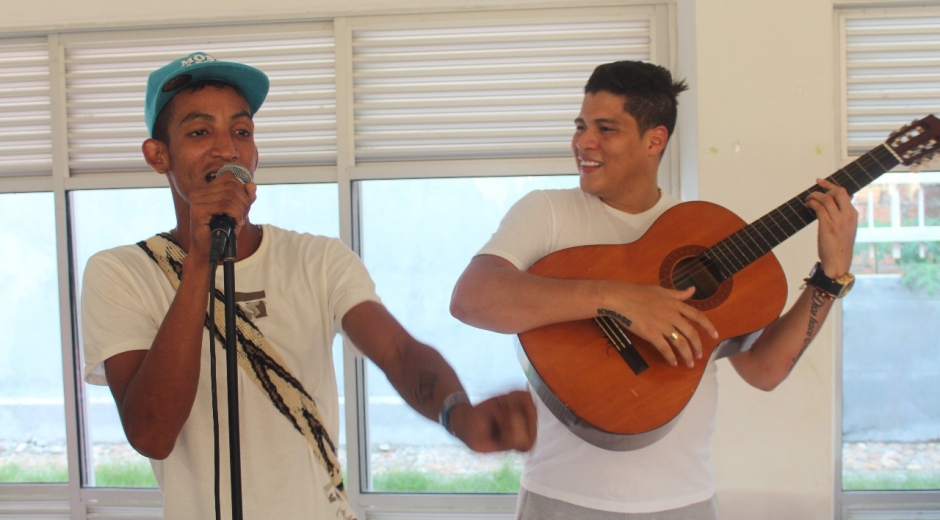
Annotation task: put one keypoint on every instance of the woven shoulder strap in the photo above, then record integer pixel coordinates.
(263, 365)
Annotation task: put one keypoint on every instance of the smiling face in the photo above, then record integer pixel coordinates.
(207, 128)
(616, 163)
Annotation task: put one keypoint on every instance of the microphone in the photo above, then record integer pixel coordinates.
(223, 225)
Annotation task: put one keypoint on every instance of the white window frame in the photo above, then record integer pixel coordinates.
(77, 502)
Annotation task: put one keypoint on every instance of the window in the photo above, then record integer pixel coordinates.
(415, 256)
(890, 419)
(141, 213)
(32, 412)
(458, 97)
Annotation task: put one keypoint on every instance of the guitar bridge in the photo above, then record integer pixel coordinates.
(622, 343)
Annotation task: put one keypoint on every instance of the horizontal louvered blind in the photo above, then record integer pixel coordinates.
(25, 115)
(105, 85)
(892, 76)
(486, 91)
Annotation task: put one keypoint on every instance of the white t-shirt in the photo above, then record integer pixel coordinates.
(297, 288)
(675, 471)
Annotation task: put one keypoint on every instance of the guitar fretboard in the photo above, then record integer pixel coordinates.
(753, 241)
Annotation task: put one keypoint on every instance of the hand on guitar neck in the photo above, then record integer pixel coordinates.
(838, 221)
(773, 356)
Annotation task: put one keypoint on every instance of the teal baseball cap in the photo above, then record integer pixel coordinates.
(166, 81)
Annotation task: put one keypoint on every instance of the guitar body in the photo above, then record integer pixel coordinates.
(578, 373)
(613, 389)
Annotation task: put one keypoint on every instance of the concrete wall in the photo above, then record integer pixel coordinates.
(760, 124)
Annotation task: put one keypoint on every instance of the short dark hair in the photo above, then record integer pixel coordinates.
(650, 91)
(161, 123)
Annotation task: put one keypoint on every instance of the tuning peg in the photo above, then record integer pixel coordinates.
(932, 161)
(928, 162)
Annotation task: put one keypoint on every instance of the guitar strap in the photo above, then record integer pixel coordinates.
(265, 367)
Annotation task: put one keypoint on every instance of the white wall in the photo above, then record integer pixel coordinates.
(765, 129)
(766, 100)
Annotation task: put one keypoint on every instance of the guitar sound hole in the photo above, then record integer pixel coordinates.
(690, 272)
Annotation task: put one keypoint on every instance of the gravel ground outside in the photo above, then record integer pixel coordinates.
(858, 457)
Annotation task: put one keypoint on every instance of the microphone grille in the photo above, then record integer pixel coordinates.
(237, 170)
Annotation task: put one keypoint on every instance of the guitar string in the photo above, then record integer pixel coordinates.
(776, 217)
(842, 177)
(800, 211)
(746, 236)
(737, 238)
(601, 321)
(724, 251)
(773, 217)
(606, 323)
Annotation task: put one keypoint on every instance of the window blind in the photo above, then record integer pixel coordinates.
(482, 91)
(892, 69)
(25, 114)
(106, 81)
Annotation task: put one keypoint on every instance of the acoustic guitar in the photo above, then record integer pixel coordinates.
(614, 389)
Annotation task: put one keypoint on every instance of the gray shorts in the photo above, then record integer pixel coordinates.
(536, 507)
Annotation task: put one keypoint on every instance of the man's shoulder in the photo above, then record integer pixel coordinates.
(573, 203)
(128, 254)
(281, 235)
(292, 243)
(563, 200)
(125, 265)
(564, 194)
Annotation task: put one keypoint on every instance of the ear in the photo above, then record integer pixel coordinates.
(656, 139)
(156, 155)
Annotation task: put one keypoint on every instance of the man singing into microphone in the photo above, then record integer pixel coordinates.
(144, 316)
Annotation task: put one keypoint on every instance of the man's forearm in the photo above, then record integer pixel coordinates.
(423, 378)
(155, 397)
(784, 341)
(493, 295)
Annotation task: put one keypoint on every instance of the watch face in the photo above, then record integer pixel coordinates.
(848, 280)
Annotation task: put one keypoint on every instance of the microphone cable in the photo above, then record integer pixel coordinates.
(215, 396)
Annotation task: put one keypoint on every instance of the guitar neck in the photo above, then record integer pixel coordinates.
(757, 239)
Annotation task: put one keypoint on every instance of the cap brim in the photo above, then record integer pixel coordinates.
(251, 82)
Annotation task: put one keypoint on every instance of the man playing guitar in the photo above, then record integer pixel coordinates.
(627, 116)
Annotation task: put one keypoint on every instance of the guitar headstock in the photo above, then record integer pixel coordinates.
(916, 143)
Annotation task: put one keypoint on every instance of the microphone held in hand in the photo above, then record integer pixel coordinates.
(223, 225)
